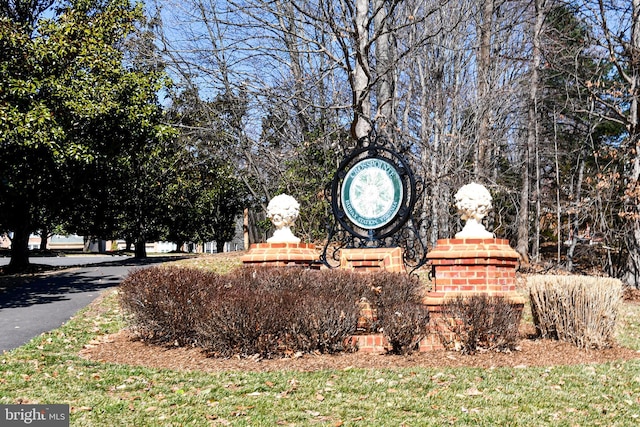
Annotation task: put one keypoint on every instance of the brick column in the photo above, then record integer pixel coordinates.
(473, 266)
(466, 267)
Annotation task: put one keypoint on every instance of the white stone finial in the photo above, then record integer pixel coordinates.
(473, 202)
(283, 211)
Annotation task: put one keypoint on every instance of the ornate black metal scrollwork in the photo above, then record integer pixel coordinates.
(373, 199)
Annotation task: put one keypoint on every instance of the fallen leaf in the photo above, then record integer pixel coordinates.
(473, 392)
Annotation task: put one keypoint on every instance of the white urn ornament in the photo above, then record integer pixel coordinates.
(473, 202)
(283, 211)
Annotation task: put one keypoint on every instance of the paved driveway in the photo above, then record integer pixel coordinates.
(46, 301)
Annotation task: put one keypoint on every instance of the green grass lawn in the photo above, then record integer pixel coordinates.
(49, 370)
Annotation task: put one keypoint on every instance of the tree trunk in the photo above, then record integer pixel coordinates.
(632, 275)
(558, 183)
(535, 249)
(20, 248)
(384, 66)
(361, 126)
(522, 246)
(44, 236)
(140, 249)
(575, 222)
(483, 151)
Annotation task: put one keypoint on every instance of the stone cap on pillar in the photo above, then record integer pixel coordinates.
(461, 250)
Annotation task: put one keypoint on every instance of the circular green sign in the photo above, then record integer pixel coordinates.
(371, 193)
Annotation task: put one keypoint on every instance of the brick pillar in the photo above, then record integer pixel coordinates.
(466, 267)
(473, 266)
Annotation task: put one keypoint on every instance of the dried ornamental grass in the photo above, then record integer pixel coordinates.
(578, 309)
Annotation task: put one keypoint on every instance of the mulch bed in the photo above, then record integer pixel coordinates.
(123, 348)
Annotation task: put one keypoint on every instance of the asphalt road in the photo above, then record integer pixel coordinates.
(45, 302)
(73, 260)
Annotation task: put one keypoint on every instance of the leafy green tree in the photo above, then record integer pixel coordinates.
(207, 195)
(307, 176)
(220, 201)
(25, 12)
(204, 203)
(70, 108)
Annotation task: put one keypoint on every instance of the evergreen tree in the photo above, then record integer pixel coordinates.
(74, 119)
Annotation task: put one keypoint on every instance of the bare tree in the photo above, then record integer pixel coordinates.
(530, 149)
(485, 30)
(614, 94)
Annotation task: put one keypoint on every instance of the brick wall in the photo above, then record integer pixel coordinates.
(282, 255)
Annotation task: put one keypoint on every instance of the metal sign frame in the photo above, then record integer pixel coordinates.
(361, 221)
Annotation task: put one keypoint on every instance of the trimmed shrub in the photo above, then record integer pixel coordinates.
(401, 313)
(270, 312)
(278, 312)
(163, 303)
(479, 323)
(578, 309)
(241, 321)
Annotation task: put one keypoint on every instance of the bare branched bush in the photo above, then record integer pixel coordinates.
(242, 321)
(162, 303)
(578, 309)
(322, 321)
(480, 323)
(401, 313)
(265, 312)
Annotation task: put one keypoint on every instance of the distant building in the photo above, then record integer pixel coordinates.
(5, 243)
(74, 242)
